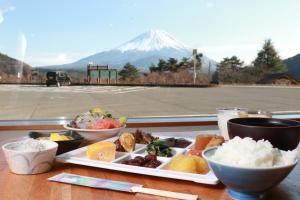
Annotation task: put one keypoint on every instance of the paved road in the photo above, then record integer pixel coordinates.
(30, 102)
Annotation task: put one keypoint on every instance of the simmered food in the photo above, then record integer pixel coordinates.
(143, 138)
(103, 151)
(194, 152)
(159, 148)
(119, 147)
(126, 142)
(188, 164)
(207, 141)
(147, 161)
(215, 141)
(180, 142)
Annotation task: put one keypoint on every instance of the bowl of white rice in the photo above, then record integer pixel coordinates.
(30, 156)
(250, 168)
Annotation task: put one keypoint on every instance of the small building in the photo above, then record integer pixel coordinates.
(279, 79)
(101, 74)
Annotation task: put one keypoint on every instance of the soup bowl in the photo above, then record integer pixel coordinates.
(283, 134)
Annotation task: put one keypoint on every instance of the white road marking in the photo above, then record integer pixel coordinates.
(75, 89)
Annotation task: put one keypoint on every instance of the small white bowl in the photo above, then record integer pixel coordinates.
(96, 135)
(30, 162)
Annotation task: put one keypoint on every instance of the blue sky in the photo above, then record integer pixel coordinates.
(60, 31)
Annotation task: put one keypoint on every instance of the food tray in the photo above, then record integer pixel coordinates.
(78, 156)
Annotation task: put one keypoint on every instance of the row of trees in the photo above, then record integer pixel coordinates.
(233, 70)
(229, 70)
(172, 64)
(170, 71)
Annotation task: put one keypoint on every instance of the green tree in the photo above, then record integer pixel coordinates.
(199, 57)
(129, 72)
(228, 70)
(153, 68)
(233, 63)
(184, 63)
(172, 64)
(268, 60)
(162, 65)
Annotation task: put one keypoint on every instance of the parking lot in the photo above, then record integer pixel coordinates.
(40, 102)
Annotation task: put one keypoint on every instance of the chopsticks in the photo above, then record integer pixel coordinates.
(164, 193)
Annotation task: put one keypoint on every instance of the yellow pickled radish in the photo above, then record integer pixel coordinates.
(58, 137)
(127, 141)
(103, 151)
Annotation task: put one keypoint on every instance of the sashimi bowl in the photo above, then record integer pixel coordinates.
(96, 135)
(96, 125)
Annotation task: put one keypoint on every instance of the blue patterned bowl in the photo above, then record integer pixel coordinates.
(247, 183)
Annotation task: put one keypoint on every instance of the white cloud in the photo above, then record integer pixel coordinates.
(246, 52)
(50, 59)
(4, 11)
(45, 59)
(11, 8)
(210, 4)
(1, 17)
(230, 47)
(63, 58)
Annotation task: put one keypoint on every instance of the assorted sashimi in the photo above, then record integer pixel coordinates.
(106, 123)
(96, 118)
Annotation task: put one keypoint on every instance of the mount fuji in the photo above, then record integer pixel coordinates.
(141, 51)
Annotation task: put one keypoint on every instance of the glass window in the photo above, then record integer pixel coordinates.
(147, 58)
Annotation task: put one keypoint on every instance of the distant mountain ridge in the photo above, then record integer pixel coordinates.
(141, 51)
(12, 66)
(293, 64)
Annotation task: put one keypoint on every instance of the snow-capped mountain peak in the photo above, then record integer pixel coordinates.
(152, 40)
(142, 51)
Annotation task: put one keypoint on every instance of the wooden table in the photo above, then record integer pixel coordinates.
(36, 187)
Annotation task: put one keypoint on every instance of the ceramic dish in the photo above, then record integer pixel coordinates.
(95, 135)
(79, 157)
(247, 183)
(30, 162)
(63, 146)
(283, 134)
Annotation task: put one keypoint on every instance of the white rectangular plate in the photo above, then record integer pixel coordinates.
(78, 157)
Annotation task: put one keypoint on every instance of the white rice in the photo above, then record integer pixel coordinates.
(27, 145)
(248, 153)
